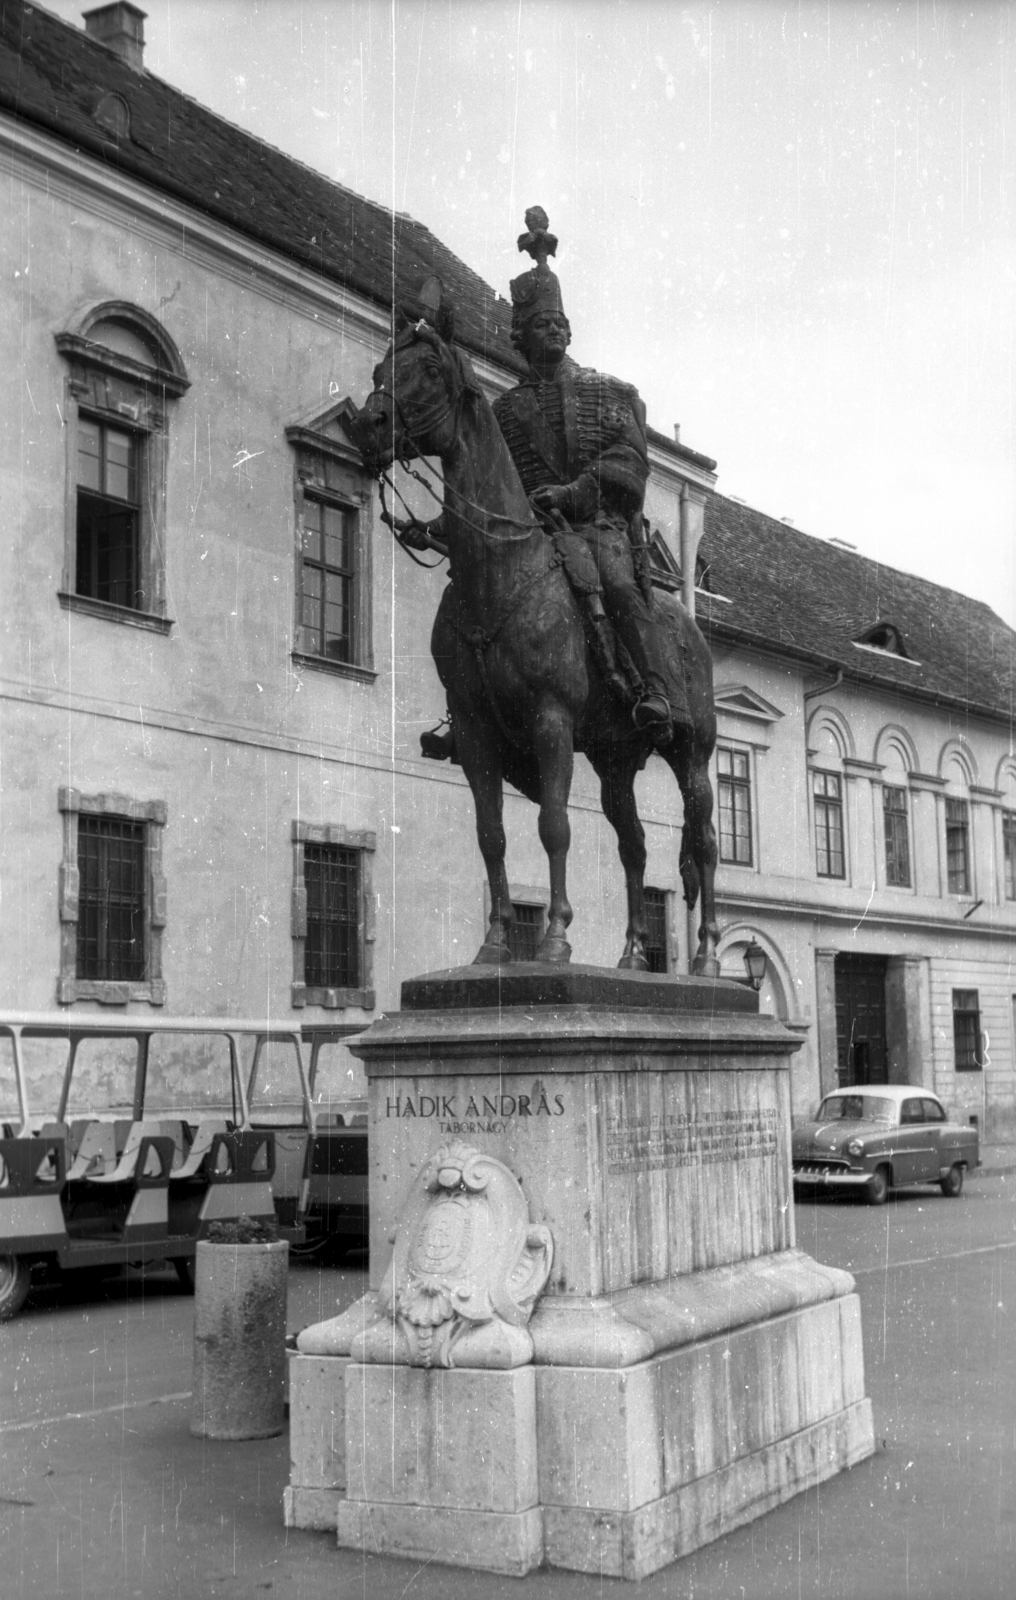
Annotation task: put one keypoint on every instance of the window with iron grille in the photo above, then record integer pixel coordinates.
(897, 837)
(734, 786)
(332, 879)
(108, 514)
(1009, 853)
(112, 899)
(957, 846)
(327, 578)
(332, 916)
(333, 550)
(656, 930)
(526, 931)
(967, 1030)
(828, 796)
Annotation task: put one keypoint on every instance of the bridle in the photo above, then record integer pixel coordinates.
(449, 406)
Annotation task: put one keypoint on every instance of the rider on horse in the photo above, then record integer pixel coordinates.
(578, 440)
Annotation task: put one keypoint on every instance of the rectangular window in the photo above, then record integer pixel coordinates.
(327, 583)
(967, 1030)
(957, 846)
(828, 792)
(526, 931)
(897, 838)
(735, 805)
(332, 953)
(108, 515)
(656, 930)
(111, 899)
(1009, 853)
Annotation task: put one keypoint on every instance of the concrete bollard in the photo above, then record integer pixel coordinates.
(239, 1386)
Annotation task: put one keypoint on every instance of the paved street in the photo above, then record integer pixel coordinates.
(104, 1493)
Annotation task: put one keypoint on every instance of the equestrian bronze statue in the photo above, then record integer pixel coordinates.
(549, 637)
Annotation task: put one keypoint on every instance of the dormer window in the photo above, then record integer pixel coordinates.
(884, 637)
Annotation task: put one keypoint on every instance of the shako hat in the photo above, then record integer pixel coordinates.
(537, 290)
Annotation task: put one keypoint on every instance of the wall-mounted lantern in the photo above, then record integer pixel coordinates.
(755, 964)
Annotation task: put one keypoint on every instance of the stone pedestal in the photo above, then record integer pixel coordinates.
(691, 1367)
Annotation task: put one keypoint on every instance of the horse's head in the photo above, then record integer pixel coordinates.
(413, 409)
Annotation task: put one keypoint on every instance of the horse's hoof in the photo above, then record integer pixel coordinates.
(492, 955)
(554, 949)
(633, 963)
(705, 967)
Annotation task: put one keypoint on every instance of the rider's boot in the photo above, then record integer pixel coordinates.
(601, 642)
(652, 712)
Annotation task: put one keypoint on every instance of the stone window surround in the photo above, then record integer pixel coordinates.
(363, 840)
(308, 443)
(752, 750)
(150, 387)
(154, 814)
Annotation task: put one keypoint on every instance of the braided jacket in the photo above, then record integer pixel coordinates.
(581, 428)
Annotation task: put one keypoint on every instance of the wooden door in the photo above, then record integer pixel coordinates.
(860, 1020)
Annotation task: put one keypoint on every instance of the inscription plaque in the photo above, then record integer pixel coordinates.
(677, 1139)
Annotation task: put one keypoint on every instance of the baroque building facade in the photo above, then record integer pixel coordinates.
(216, 667)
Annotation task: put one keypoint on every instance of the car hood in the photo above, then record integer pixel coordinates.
(827, 1138)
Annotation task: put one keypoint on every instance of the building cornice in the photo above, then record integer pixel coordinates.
(726, 633)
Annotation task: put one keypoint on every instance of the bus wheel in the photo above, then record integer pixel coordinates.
(15, 1282)
(185, 1272)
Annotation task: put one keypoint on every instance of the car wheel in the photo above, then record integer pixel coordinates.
(877, 1191)
(185, 1272)
(15, 1282)
(952, 1184)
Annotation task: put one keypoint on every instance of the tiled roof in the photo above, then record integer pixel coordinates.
(811, 599)
(54, 76)
(790, 592)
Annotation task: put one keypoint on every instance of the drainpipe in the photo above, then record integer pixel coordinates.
(824, 688)
(686, 554)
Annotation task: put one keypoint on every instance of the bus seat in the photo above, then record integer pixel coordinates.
(203, 1136)
(125, 1168)
(177, 1131)
(96, 1152)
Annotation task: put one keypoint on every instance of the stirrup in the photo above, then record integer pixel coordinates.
(438, 746)
(652, 711)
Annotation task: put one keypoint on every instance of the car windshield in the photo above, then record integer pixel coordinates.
(857, 1108)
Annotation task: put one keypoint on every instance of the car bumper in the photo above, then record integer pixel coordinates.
(806, 1177)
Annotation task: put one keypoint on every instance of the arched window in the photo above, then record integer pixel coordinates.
(896, 815)
(1007, 785)
(123, 371)
(828, 742)
(957, 773)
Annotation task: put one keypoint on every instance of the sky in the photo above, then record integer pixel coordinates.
(790, 225)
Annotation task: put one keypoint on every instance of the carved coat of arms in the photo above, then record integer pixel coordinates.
(466, 1272)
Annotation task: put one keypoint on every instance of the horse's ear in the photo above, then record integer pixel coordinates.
(438, 311)
(469, 379)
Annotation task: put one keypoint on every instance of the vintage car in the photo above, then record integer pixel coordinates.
(879, 1137)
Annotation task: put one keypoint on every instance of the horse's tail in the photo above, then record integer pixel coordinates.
(689, 871)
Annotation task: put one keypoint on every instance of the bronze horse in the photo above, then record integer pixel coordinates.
(510, 648)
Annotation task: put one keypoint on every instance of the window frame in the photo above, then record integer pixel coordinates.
(364, 842)
(1008, 855)
(735, 783)
(968, 1011)
(330, 473)
(664, 905)
(154, 814)
(103, 385)
(829, 802)
(955, 828)
(540, 925)
(900, 814)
